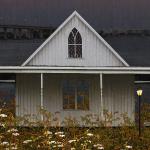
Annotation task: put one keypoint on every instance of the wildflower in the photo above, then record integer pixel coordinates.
(59, 133)
(97, 145)
(3, 125)
(60, 145)
(15, 134)
(4, 143)
(52, 142)
(54, 146)
(71, 141)
(100, 147)
(14, 147)
(73, 148)
(27, 141)
(48, 143)
(12, 130)
(47, 133)
(3, 115)
(89, 141)
(62, 135)
(129, 147)
(89, 134)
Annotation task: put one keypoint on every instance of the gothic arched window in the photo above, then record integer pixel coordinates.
(75, 44)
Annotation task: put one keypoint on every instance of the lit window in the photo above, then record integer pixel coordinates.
(75, 44)
(76, 94)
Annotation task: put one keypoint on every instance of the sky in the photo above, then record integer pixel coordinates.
(101, 14)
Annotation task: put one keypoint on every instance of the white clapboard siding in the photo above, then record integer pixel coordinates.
(95, 52)
(118, 94)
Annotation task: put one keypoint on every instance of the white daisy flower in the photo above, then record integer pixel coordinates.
(60, 145)
(52, 142)
(12, 130)
(47, 133)
(62, 135)
(100, 147)
(3, 115)
(15, 134)
(27, 141)
(58, 133)
(14, 147)
(4, 143)
(71, 141)
(129, 147)
(89, 134)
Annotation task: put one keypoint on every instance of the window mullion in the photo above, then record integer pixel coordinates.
(75, 51)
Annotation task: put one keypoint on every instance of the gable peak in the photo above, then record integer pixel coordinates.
(76, 14)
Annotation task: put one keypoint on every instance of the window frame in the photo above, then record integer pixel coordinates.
(75, 45)
(76, 94)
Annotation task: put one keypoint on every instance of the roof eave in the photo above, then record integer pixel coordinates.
(83, 70)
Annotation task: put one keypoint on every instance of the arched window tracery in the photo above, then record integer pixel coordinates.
(75, 44)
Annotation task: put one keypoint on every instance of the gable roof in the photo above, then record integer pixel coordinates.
(134, 49)
(15, 52)
(62, 25)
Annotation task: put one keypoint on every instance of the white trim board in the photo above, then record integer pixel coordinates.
(75, 13)
(7, 81)
(142, 82)
(82, 70)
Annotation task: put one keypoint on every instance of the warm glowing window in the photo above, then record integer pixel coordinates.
(76, 94)
(75, 44)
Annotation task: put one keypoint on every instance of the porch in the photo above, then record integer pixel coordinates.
(87, 94)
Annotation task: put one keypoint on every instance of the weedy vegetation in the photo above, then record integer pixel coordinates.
(26, 133)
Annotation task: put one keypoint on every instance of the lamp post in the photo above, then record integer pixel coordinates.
(139, 94)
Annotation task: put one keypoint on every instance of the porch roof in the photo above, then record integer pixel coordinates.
(80, 70)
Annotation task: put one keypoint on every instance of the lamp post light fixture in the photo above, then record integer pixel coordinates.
(139, 94)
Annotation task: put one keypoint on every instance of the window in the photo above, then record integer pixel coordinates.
(76, 94)
(75, 44)
(7, 92)
(7, 96)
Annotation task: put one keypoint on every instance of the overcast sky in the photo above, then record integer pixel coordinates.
(101, 14)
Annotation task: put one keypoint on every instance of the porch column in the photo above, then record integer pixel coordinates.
(41, 94)
(101, 94)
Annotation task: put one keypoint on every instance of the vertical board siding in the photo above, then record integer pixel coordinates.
(53, 99)
(55, 52)
(118, 94)
(27, 94)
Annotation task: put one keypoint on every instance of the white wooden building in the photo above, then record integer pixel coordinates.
(75, 72)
